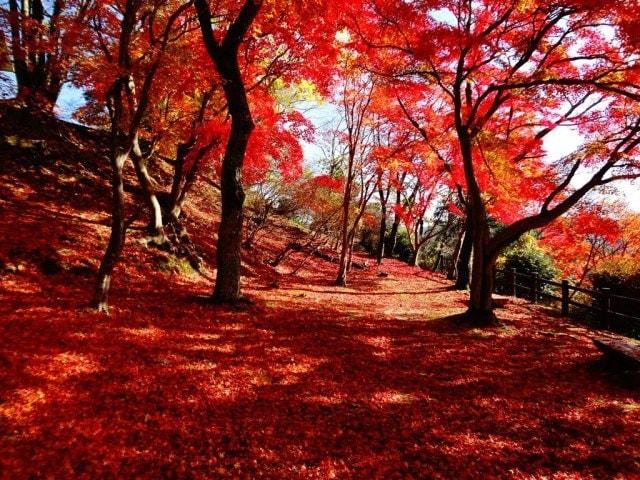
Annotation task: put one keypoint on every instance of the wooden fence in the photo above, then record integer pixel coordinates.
(601, 305)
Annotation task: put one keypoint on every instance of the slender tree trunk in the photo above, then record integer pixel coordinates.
(341, 279)
(452, 272)
(37, 79)
(393, 235)
(116, 240)
(464, 259)
(438, 265)
(146, 182)
(177, 185)
(183, 180)
(336, 243)
(413, 261)
(381, 235)
(352, 241)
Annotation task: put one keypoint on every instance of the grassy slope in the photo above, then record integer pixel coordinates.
(313, 381)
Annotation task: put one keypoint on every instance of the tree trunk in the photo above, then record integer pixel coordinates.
(336, 243)
(146, 182)
(352, 241)
(183, 180)
(482, 272)
(225, 57)
(481, 302)
(341, 279)
(381, 236)
(38, 80)
(116, 240)
(438, 265)
(452, 271)
(464, 258)
(174, 209)
(413, 261)
(393, 237)
(227, 287)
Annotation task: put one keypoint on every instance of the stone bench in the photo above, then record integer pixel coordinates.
(622, 349)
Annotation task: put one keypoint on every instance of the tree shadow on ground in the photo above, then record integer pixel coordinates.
(176, 389)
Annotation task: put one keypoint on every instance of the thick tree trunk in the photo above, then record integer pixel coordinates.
(116, 240)
(381, 236)
(227, 287)
(481, 302)
(482, 272)
(225, 57)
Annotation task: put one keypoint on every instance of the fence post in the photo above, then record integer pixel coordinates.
(514, 281)
(565, 298)
(606, 306)
(534, 290)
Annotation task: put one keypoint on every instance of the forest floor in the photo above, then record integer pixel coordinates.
(310, 381)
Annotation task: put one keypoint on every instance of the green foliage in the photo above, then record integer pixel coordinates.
(369, 242)
(369, 239)
(623, 280)
(432, 250)
(170, 263)
(403, 246)
(527, 257)
(427, 259)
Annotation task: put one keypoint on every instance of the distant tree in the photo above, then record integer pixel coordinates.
(504, 75)
(44, 38)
